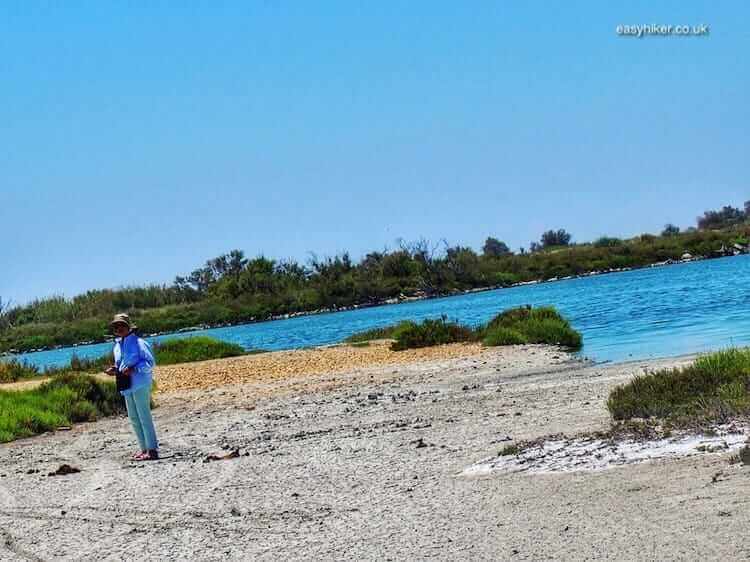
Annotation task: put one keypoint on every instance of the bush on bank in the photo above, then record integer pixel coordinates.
(514, 326)
(530, 325)
(197, 348)
(712, 389)
(411, 335)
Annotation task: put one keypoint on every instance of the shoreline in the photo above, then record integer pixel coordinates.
(375, 354)
(402, 299)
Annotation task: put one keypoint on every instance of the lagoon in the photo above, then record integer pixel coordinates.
(640, 314)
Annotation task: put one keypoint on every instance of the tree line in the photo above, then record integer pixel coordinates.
(234, 288)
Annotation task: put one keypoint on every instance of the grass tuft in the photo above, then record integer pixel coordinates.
(508, 450)
(62, 401)
(713, 389)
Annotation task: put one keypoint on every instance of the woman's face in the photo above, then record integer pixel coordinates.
(120, 330)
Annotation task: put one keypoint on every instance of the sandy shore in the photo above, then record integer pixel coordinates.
(367, 462)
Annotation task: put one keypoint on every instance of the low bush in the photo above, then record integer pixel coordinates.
(504, 336)
(63, 400)
(530, 325)
(712, 389)
(197, 348)
(14, 370)
(411, 335)
(384, 333)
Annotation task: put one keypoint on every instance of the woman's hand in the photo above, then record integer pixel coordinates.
(129, 371)
(111, 371)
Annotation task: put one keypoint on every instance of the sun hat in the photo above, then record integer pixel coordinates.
(122, 318)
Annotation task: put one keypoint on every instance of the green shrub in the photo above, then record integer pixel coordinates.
(411, 335)
(384, 333)
(530, 325)
(713, 388)
(63, 400)
(504, 336)
(197, 348)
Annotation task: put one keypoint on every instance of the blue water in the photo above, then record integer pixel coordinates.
(646, 313)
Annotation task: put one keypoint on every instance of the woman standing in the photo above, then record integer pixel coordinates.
(133, 364)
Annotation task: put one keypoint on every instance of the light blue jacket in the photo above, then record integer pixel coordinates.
(132, 351)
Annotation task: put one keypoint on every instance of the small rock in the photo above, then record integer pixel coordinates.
(64, 469)
(232, 455)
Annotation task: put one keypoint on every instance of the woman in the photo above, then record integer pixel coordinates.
(133, 364)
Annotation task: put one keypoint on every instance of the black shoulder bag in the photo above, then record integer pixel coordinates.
(122, 381)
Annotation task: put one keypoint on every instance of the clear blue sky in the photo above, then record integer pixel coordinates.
(138, 139)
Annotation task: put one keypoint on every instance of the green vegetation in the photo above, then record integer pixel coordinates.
(411, 335)
(514, 326)
(408, 334)
(530, 325)
(198, 348)
(72, 396)
(59, 402)
(233, 289)
(508, 450)
(385, 333)
(711, 390)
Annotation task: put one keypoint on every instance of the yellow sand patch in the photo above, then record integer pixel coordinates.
(274, 366)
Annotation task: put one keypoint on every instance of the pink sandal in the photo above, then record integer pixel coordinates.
(151, 455)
